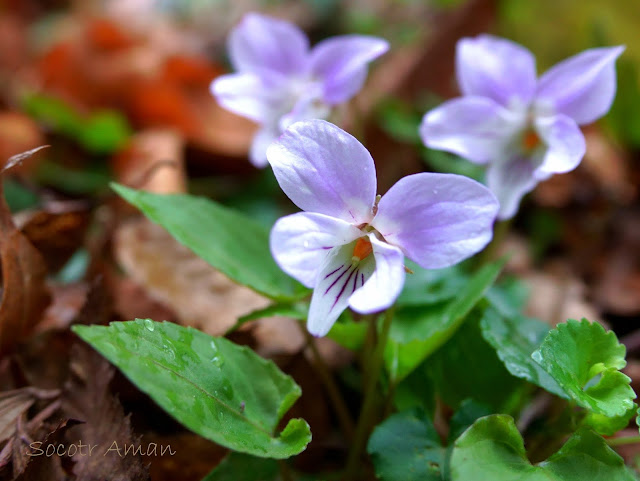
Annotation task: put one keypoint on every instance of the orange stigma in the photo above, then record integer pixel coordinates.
(530, 140)
(362, 249)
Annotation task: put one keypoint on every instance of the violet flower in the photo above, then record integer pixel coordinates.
(280, 80)
(525, 128)
(350, 244)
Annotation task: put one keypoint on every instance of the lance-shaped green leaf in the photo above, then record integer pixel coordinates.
(417, 331)
(231, 242)
(221, 391)
(492, 449)
(585, 361)
(406, 446)
(514, 341)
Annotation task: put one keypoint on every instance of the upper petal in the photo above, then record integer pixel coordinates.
(385, 284)
(437, 219)
(565, 145)
(300, 242)
(497, 68)
(510, 180)
(583, 86)
(338, 278)
(263, 44)
(324, 169)
(248, 95)
(341, 63)
(476, 128)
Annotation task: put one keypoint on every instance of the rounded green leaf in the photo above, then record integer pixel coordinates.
(585, 361)
(514, 340)
(221, 391)
(406, 446)
(492, 449)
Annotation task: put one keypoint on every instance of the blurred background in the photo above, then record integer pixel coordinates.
(119, 90)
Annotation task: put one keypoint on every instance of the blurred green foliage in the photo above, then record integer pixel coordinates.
(102, 132)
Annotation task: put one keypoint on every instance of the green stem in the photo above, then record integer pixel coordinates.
(367, 412)
(285, 472)
(623, 441)
(337, 401)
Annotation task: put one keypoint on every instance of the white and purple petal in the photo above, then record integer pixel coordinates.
(510, 179)
(262, 139)
(476, 128)
(496, 68)
(338, 278)
(300, 242)
(382, 289)
(248, 95)
(324, 169)
(583, 86)
(437, 219)
(565, 145)
(266, 45)
(341, 64)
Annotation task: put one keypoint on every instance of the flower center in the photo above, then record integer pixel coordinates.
(362, 249)
(530, 140)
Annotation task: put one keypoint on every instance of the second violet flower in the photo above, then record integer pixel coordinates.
(524, 128)
(350, 244)
(281, 80)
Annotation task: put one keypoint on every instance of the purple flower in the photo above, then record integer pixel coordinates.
(525, 128)
(350, 244)
(280, 80)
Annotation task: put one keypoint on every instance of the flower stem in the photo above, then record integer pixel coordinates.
(337, 401)
(367, 413)
(622, 441)
(285, 472)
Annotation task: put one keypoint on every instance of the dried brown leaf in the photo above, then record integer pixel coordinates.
(154, 161)
(201, 296)
(87, 397)
(24, 294)
(57, 230)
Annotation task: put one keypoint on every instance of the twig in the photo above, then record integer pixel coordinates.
(337, 401)
(622, 441)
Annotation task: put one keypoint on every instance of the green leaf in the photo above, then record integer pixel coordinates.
(221, 391)
(585, 361)
(430, 286)
(447, 163)
(514, 342)
(417, 331)
(91, 179)
(296, 310)
(467, 367)
(242, 467)
(492, 449)
(229, 241)
(468, 412)
(105, 132)
(18, 196)
(55, 113)
(416, 390)
(349, 334)
(608, 426)
(407, 447)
